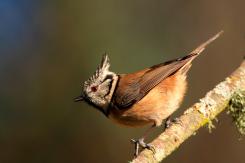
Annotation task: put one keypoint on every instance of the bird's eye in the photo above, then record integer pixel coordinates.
(94, 88)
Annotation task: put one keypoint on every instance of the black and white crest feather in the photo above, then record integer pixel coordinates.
(101, 72)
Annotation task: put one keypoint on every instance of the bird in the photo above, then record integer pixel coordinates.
(145, 97)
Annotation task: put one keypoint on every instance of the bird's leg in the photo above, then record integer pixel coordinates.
(140, 142)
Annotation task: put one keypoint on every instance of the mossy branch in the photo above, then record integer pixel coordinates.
(201, 113)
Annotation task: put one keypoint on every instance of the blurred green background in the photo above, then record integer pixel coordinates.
(48, 48)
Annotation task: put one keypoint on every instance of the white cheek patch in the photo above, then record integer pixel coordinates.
(105, 84)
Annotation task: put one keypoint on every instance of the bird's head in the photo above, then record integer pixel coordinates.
(99, 88)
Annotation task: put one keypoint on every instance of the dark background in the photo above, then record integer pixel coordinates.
(48, 48)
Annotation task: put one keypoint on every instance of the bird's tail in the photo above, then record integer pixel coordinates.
(202, 47)
(197, 51)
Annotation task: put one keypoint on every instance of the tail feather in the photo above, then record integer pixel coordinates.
(196, 52)
(202, 47)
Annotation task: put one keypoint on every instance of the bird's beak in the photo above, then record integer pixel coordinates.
(79, 98)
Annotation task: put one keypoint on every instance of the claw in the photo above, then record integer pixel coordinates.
(177, 120)
(169, 122)
(140, 143)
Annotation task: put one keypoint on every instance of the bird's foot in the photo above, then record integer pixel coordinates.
(169, 122)
(140, 143)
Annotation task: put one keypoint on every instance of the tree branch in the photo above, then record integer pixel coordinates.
(195, 117)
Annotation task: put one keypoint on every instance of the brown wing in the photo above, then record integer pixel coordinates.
(133, 87)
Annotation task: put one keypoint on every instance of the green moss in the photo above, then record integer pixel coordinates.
(236, 109)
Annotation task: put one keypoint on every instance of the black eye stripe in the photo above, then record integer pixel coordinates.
(108, 77)
(109, 90)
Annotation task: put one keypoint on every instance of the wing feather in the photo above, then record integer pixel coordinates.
(136, 89)
(133, 87)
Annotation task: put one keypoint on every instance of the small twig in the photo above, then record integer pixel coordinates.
(195, 117)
